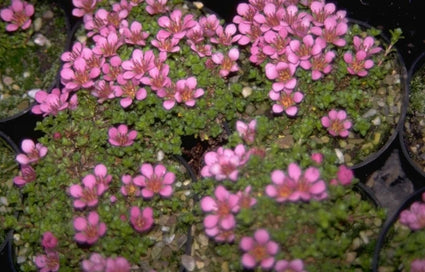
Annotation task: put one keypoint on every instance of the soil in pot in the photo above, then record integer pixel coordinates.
(414, 126)
(30, 58)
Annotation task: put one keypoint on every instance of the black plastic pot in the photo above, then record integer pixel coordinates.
(22, 124)
(410, 162)
(416, 196)
(6, 243)
(376, 160)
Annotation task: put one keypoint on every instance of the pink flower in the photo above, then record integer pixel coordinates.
(246, 201)
(118, 264)
(89, 229)
(79, 50)
(187, 92)
(83, 7)
(284, 75)
(158, 78)
(417, 265)
(48, 262)
(97, 23)
(296, 185)
(209, 24)
(156, 6)
(321, 11)
(129, 188)
(367, 45)
(272, 18)
(225, 36)
(96, 263)
(18, 15)
(120, 136)
(165, 42)
(134, 34)
(50, 103)
(301, 51)
(345, 175)
(103, 90)
(414, 217)
(276, 43)
(224, 163)
(321, 64)
(358, 64)
(286, 101)
(332, 32)
(112, 71)
(221, 209)
(246, 131)
(32, 152)
(155, 180)
(259, 250)
(49, 241)
(27, 175)
(175, 24)
(141, 220)
(227, 63)
(107, 46)
(139, 64)
(101, 178)
(296, 265)
(336, 122)
(80, 75)
(317, 158)
(129, 90)
(86, 195)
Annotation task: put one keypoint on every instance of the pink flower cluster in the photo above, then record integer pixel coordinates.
(286, 38)
(260, 251)
(360, 61)
(296, 185)
(220, 222)
(224, 163)
(97, 263)
(154, 180)
(100, 69)
(32, 154)
(87, 194)
(49, 261)
(414, 217)
(18, 15)
(53, 102)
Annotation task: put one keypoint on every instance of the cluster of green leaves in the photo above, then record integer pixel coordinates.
(28, 65)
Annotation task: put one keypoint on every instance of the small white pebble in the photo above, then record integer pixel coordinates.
(3, 201)
(339, 155)
(160, 155)
(246, 91)
(198, 5)
(41, 40)
(31, 93)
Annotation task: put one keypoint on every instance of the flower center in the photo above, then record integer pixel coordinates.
(129, 89)
(20, 18)
(336, 126)
(286, 100)
(89, 195)
(154, 184)
(131, 190)
(259, 252)
(284, 75)
(284, 191)
(223, 209)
